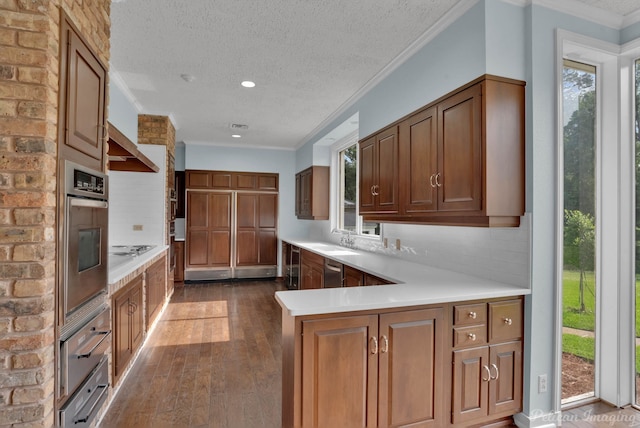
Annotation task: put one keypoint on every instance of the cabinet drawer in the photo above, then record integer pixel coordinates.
(474, 313)
(468, 336)
(312, 258)
(505, 320)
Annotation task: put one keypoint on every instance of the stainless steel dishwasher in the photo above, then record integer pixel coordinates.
(332, 273)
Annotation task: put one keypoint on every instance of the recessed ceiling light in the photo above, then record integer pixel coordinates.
(248, 84)
(236, 136)
(188, 77)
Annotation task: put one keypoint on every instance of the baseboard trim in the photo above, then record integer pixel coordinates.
(538, 419)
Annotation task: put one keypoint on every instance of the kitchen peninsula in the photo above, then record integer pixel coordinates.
(381, 353)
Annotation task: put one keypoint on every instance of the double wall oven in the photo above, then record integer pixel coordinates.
(84, 332)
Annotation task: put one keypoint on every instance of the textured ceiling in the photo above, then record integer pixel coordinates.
(307, 58)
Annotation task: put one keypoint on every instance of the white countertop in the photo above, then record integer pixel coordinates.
(416, 284)
(119, 267)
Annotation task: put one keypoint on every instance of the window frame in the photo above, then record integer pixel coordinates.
(337, 190)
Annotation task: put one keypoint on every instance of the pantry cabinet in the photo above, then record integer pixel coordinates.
(378, 159)
(461, 159)
(82, 114)
(128, 324)
(350, 379)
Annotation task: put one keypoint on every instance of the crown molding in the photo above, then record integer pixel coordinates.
(447, 19)
(116, 78)
(236, 146)
(584, 11)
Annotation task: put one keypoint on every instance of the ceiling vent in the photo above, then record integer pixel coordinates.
(239, 126)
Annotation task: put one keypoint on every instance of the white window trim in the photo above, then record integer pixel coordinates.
(614, 172)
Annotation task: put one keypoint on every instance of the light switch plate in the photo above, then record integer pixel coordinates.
(137, 227)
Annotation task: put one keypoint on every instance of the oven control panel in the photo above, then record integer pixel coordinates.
(88, 182)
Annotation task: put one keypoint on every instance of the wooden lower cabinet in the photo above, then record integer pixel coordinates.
(352, 276)
(311, 270)
(178, 275)
(378, 370)
(452, 364)
(156, 279)
(128, 325)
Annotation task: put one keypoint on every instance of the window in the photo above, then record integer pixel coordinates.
(579, 237)
(348, 218)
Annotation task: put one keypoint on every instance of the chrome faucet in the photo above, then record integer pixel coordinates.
(347, 241)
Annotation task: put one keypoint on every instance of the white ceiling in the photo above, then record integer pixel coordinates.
(307, 57)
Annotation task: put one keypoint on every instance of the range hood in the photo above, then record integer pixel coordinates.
(124, 154)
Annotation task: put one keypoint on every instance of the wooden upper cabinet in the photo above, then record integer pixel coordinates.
(312, 193)
(461, 159)
(459, 175)
(379, 173)
(418, 153)
(228, 180)
(82, 114)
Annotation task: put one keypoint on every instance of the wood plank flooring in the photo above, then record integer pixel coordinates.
(214, 360)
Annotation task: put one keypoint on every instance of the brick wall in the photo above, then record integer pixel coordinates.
(29, 51)
(156, 130)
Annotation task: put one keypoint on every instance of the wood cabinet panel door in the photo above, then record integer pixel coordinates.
(268, 211)
(411, 379)
(352, 277)
(85, 99)
(387, 171)
(268, 247)
(505, 388)
(340, 372)
(418, 160)
(460, 147)
(208, 229)
(122, 333)
(137, 316)
(367, 163)
(470, 384)
(311, 276)
(198, 180)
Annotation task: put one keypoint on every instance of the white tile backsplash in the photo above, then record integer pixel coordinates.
(138, 198)
(499, 254)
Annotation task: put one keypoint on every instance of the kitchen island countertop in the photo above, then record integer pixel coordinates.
(415, 284)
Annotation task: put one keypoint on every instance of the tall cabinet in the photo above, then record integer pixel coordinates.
(231, 225)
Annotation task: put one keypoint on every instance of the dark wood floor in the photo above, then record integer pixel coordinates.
(214, 360)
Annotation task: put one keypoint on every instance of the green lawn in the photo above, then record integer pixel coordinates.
(573, 317)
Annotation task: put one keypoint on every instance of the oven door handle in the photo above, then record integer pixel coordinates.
(88, 353)
(84, 419)
(79, 202)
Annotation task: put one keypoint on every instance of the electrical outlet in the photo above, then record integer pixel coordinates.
(542, 383)
(398, 245)
(385, 243)
(137, 227)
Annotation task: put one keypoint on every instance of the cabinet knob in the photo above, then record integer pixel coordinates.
(471, 336)
(508, 321)
(374, 347)
(473, 315)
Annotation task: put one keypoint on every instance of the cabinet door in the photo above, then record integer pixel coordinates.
(247, 229)
(179, 271)
(122, 310)
(340, 372)
(198, 179)
(471, 376)
(367, 162)
(298, 208)
(460, 151)
(352, 277)
(268, 229)
(156, 289)
(418, 152)
(386, 190)
(208, 229)
(137, 315)
(311, 276)
(83, 92)
(505, 388)
(411, 382)
(374, 280)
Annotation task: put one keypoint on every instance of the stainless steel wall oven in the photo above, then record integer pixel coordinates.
(84, 317)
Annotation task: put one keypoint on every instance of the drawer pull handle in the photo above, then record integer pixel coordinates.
(374, 348)
(473, 315)
(508, 321)
(488, 378)
(431, 180)
(493, 366)
(385, 344)
(471, 336)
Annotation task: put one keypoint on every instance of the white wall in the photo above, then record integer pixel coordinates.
(138, 198)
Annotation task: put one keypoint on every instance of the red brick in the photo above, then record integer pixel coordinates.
(22, 127)
(28, 162)
(8, 5)
(35, 181)
(29, 253)
(17, 91)
(14, 415)
(23, 56)
(35, 145)
(33, 323)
